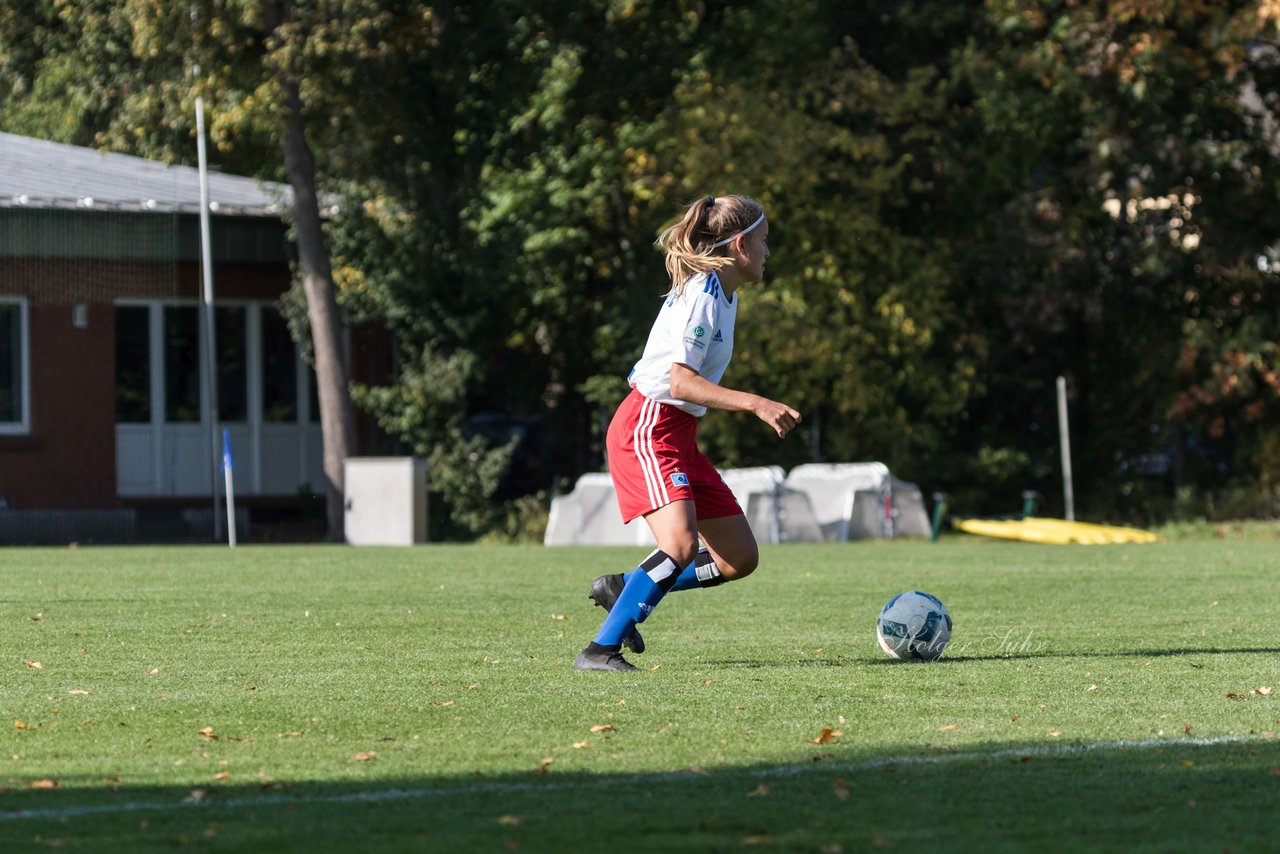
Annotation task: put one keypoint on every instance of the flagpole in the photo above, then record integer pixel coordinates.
(211, 350)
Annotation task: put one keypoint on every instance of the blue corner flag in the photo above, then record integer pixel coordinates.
(227, 462)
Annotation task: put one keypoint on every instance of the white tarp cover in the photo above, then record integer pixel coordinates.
(861, 500)
(815, 502)
(589, 516)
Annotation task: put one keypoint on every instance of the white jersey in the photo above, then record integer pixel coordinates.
(694, 329)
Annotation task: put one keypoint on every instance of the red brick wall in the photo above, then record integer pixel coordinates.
(68, 459)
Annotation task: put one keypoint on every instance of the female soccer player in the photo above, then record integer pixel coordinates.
(719, 245)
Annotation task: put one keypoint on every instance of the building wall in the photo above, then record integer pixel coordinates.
(68, 459)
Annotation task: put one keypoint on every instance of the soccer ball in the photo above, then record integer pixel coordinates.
(914, 625)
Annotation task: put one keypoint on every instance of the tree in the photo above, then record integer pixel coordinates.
(277, 71)
(494, 234)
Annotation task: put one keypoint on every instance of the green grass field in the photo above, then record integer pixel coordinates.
(337, 699)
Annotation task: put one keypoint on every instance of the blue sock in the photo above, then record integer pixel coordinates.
(644, 589)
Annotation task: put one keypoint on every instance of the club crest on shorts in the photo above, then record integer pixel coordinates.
(679, 479)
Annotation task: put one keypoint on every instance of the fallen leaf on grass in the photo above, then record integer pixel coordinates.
(196, 796)
(760, 839)
(364, 756)
(20, 725)
(35, 665)
(511, 820)
(560, 618)
(760, 791)
(542, 767)
(603, 728)
(1263, 690)
(839, 789)
(153, 671)
(1054, 733)
(1187, 763)
(827, 734)
(79, 691)
(288, 734)
(582, 745)
(207, 734)
(222, 775)
(1091, 688)
(43, 784)
(1235, 695)
(946, 728)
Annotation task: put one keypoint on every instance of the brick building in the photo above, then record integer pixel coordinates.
(105, 411)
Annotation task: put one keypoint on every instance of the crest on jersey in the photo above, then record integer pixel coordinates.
(679, 479)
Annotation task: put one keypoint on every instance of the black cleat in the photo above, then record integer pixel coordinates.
(605, 590)
(588, 660)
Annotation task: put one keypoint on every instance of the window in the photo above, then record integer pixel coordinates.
(233, 367)
(181, 363)
(14, 393)
(279, 369)
(133, 364)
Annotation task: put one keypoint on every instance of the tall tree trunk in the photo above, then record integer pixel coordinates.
(336, 421)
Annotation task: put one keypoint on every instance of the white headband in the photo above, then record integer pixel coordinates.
(734, 237)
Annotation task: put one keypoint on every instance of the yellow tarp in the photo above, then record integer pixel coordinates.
(1034, 530)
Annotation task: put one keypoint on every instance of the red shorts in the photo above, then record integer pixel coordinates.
(654, 460)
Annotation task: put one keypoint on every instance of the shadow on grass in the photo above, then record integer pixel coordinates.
(1166, 795)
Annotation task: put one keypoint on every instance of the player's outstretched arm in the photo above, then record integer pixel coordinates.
(688, 384)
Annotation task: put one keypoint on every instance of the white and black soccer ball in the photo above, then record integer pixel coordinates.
(914, 625)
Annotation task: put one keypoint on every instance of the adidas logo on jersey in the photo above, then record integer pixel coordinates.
(717, 338)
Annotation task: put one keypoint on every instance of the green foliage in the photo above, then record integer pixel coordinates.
(524, 521)
(967, 200)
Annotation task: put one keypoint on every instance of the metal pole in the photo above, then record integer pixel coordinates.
(210, 348)
(1064, 434)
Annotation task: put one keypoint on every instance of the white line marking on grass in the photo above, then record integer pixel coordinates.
(380, 795)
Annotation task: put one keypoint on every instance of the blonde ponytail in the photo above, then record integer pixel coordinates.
(697, 243)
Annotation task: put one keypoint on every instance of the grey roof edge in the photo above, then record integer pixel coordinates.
(39, 174)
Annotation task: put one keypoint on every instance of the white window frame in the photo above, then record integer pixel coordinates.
(23, 426)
